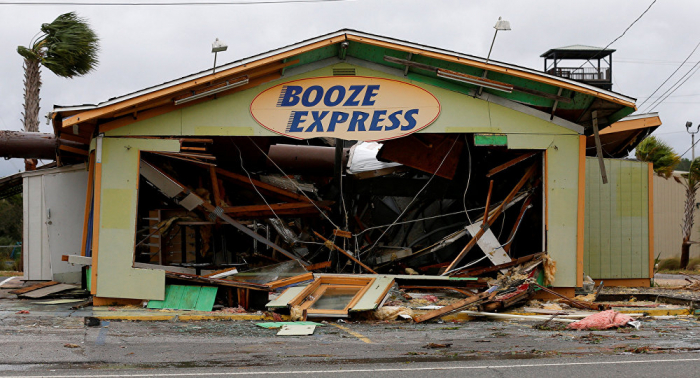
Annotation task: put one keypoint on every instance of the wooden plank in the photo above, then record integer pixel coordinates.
(511, 163)
(257, 211)
(215, 186)
(351, 257)
(475, 272)
(34, 287)
(263, 187)
(518, 219)
(599, 147)
(74, 150)
(454, 307)
(45, 291)
(488, 203)
(291, 280)
(413, 151)
(206, 299)
(342, 234)
(319, 266)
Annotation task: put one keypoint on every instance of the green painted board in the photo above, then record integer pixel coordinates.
(206, 299)
(159, 304)
(88, 278)
(272, 325)
(181, 297)
(490, 140)
(190, 294)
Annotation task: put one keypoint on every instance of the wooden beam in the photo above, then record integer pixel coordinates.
(215, 186)
(74, 150)
(523, 208)
(257, 211)
(319, 266)
(599, 147)
(497, 212)
(74, 138)
(488, 202)
(331, 245)
(263, 187)
(510, 163)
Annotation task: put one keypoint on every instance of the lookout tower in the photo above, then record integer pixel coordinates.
(587, 64)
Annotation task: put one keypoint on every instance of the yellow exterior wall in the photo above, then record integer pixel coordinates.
(229, 115)
(116, 278)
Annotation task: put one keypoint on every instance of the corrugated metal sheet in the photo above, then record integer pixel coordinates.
(616, 243)
(669, 201)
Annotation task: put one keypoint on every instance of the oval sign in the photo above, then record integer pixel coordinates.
(346, 107)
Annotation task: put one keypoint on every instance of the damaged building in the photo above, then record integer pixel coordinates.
(337, 167)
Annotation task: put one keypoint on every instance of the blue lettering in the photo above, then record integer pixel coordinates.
(370, 94)
(395, 122)
(411, 121)
(341, 94)
(377, 117)
(289, 95)
(318, 117)
(295, 120)
(354, 92)
(307, 93)
(358, 121)
(336, 118)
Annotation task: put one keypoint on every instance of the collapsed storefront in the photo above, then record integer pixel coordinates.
(349, 153)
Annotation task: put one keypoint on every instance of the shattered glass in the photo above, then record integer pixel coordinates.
(271, 273)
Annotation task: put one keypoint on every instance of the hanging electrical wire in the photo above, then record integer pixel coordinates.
(415, 197)
(679, 85)
(669, 77)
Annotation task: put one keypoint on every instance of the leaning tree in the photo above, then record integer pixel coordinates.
(68, 48)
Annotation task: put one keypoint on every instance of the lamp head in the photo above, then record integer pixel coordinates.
(502, 25)
(688, 125)
(218, 46)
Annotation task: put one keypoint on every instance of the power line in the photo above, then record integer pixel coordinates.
(155, 4)
(623, 33)
(672, 89)
(668, 78)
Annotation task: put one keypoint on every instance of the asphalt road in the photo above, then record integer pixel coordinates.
(595, 366)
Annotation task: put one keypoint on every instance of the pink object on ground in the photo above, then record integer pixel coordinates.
(602, 320)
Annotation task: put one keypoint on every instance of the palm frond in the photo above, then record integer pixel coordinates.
(660, 154)
(68, 47)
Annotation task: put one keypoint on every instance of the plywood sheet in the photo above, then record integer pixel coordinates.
(490, 245)
(40, 293)
(296, 330)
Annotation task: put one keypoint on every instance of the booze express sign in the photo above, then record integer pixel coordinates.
(346, 107)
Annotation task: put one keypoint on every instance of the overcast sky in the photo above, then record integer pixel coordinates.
(143, 46)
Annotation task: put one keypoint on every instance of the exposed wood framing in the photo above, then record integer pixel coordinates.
(510, 163)
(454, 307)
(497, 212)
(258, 211)
(351, 257)
(215, 186)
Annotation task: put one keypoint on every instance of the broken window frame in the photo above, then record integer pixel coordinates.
(316, 289)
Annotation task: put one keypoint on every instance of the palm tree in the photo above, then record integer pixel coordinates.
(691, 182)
(68, 48)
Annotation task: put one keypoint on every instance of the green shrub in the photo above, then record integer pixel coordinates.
(670, 264)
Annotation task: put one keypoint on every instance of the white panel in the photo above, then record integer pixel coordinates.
(35, 268)
(490, 245)
(64, 198)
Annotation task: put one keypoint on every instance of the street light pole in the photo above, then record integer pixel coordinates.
(692, 137)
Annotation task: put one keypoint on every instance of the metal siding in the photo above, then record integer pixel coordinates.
(617, 223)
(669, 200)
